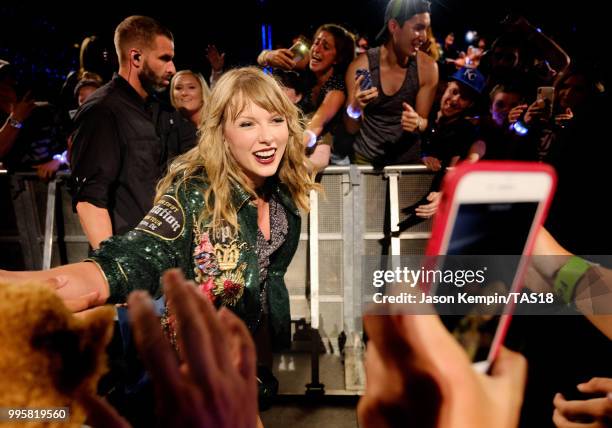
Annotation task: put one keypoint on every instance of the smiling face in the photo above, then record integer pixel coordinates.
(408, 37)
(257, 139)
(323, 52)
(455, 100)
(187, 93)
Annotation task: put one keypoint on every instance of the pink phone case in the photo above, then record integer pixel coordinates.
(449, 186)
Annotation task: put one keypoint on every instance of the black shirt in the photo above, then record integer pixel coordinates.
(446, 140)
(118, 153)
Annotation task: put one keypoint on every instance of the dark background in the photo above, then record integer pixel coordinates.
(43, 40)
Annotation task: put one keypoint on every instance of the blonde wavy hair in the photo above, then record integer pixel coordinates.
(212, 161)
(204, 89)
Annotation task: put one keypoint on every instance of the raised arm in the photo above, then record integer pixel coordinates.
(588, 302)
(356, 98)
(11, 128)
(277, 58)
(331, 105)
(124, 263)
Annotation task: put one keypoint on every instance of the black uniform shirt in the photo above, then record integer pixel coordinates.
(117, 156)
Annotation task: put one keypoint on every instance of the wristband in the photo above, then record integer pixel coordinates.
(568, 277)
(14, 123)
(520, 128)
(353, 113)
(62, 158)
(262, 58)
(312, 138)
(419, 123)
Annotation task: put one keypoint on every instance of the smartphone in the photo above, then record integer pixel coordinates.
(299, 50)
(547, 94)
(490, 211)
(366, 83)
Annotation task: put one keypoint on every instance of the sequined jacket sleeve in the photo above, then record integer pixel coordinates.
(162, 240)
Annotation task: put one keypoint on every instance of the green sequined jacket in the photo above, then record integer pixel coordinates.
(224, 267)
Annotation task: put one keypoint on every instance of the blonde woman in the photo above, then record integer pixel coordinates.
(226, 214)
(189, 93)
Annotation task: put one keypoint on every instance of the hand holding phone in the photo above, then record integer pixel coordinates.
(299, 50)
(366, 83)
(547, 95)
(410, 358)
(490, 209)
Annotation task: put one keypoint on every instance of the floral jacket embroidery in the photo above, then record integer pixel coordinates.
(224, 267)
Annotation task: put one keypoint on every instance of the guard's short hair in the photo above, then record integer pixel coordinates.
(137, 31)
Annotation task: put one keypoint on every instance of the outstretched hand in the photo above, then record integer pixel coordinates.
(214, 383)
(428, 210)
(216, 59)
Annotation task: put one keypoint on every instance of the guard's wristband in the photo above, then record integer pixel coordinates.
(568, 276)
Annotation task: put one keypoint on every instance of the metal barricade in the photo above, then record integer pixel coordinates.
(357, 215)
(43, 232)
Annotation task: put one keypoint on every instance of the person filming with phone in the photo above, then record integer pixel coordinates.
(388, 116)
(324, 96)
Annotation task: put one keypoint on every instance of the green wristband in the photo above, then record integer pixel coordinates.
(568, 276)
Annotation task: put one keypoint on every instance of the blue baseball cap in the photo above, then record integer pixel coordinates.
(470, 77)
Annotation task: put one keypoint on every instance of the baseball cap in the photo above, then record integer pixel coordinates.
(401, 11)
(470, 77)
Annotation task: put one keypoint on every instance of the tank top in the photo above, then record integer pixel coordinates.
(381, 139)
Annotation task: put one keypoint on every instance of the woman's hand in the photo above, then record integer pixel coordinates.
(216, 59)
(279, 58)
(427, 210)
(432, 163)
(23, 109)
(516, 113)
(47, 170)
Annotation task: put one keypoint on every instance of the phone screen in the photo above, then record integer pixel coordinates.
(547, 94)
(491, 228)
(299, 50)
(496, 234)
(366, 83)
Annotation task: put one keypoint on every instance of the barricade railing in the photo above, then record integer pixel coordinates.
(360, 213)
